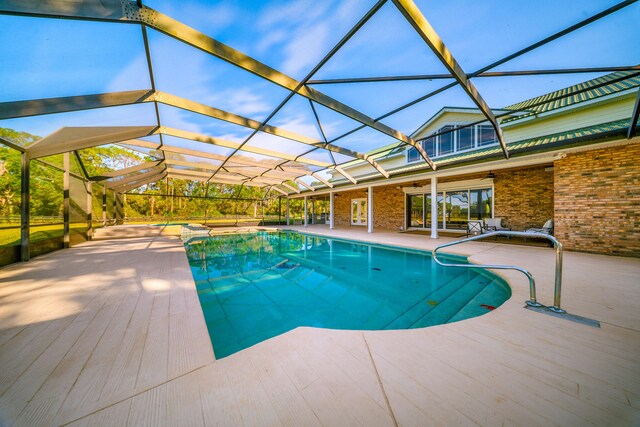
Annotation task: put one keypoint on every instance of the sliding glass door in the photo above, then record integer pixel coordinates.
(427, 198)
(455, 208)
(416, 210)
(419, 210)
(481, 203)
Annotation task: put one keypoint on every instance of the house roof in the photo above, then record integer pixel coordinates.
(582, 92)
(538, 144)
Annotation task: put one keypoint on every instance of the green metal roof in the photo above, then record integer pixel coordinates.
(585, 91)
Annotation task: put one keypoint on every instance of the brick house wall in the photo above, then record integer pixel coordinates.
(597, 201)
(388, 207)
(524, 197)
(593, 197)
(342, 205)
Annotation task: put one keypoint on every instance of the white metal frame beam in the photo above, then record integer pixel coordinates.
(299, 181)
(133, 178)
(113, 10)
(417, 20)
(45, 147)
(235, 145)
(279, 190)
(140, 183)
(322, 180)
(125, 171)
(290, 187)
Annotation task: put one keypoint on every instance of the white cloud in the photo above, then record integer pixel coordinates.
(242, 101)
(132, 72)
(305, 50)
(178, 119)
(302, 31)
(271, 39)
(297, 34)
(299, 124)
(210, 19)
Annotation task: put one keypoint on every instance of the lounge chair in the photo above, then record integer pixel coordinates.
(547, 228)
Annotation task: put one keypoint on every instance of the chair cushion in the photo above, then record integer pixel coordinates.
(493, 222)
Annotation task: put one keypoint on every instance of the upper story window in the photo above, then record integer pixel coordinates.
(457, 140)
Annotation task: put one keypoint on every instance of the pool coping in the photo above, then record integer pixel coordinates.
(507, 365)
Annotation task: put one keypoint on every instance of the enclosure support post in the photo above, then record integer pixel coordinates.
(65, 203)
(279, 210)
(370, 209)
(117, 197)
(206, 203)
(104, 206)
(306, 220)
(287, 212)
(89, 210)
(24, 209)
(434, 207)
(166, 200)
(331, 225)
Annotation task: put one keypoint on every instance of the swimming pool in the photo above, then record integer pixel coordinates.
(255, 286)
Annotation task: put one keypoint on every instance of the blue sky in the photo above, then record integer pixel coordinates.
(49, 58)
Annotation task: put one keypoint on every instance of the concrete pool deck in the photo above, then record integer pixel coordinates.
(111, 333)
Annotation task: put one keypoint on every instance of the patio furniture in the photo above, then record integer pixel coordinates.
(474, 228)
(494, 224)
(547, 228)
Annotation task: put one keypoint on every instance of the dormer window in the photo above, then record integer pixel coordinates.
(486, 135)
(456, 139)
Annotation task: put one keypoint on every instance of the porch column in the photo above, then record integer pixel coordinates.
(331, 211)
(287, 211)
(24, 209)
(313, 211)
(434, 207)
(66, 201)
(306, 220)
(370, 209)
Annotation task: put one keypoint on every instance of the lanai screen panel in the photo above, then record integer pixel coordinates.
(308, 87)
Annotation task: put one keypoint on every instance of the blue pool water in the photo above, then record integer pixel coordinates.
(255, 286)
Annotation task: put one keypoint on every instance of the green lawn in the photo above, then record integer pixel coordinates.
(10, 232)
(11, 236)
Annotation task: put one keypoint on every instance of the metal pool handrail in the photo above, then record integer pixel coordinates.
(532, 302)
